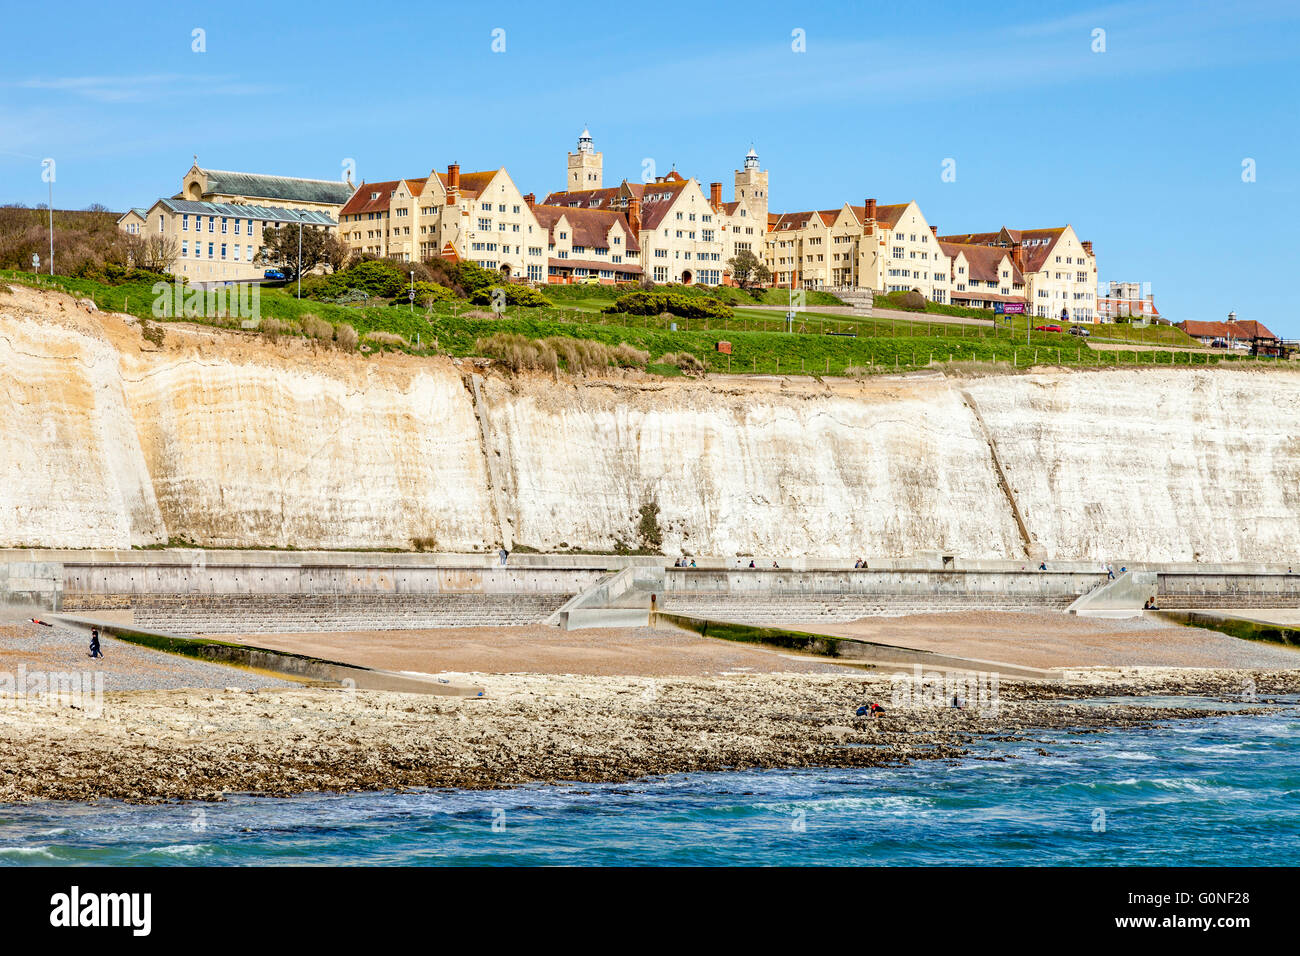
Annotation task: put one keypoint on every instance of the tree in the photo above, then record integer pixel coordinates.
(152, 252)
(748, 270)
(280, 249)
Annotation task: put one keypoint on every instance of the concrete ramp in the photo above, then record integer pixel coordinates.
(1123, 597)
(294, 666)
(622, 600)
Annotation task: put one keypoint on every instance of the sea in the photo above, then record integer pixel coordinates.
(1222, 790)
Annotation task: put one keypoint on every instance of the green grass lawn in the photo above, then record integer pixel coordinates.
(759, 344)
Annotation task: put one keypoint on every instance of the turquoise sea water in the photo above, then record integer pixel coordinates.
(1223, 790)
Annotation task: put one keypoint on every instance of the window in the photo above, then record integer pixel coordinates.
(185, 223)
(223, 225)
(185, 247)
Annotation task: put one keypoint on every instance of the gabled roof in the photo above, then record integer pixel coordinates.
(657, 198)
(247, 211)
(984, 262)
(609, 197)
(283, 188)
(1035, 244)
(1254, 330)
(889, 215)
(374, 197)
(1226, 330)
(589, 227)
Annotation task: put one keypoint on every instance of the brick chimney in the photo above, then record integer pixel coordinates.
(634, 216)
(871, 210)
(453, 181)
(715, 196)
(531, 200)
(1018, 256)
(1087, 247)
(935, 230)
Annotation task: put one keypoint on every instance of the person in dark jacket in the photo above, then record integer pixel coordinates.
(94, 643)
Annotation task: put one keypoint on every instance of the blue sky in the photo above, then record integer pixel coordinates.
(1139, 147)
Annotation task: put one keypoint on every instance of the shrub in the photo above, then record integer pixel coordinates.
(912, 301)
(629, 356)
(152, 333)
(685, 361)
(647, 528)
(274, 328)
(518, 352)
(514, 295)
(387, 338)
(316, 328)
(346, 337)
(426, 294)
(675, 303)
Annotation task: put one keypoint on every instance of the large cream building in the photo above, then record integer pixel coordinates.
(684, 235)
(886, 248)
(219, 242)
(480, 217)
(1059, 269)
(589, 243)
(256, 189)
(218, 218)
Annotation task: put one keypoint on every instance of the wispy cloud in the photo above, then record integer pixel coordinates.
(143, 88)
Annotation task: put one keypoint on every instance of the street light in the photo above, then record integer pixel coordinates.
(298, 213)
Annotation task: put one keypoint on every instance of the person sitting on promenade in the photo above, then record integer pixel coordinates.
(1042, 566)
(857, 563)
(752, 564)
(692, 562)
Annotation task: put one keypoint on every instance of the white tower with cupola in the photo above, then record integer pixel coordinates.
(751, 190)
(585, 166)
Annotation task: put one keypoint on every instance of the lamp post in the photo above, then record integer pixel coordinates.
(299, 215)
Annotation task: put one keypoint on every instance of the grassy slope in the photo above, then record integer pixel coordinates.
(758, 345)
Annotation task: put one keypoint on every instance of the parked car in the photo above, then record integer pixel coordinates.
(1218, 344)
(274, 274)
(1047, 328)
(1080, 330)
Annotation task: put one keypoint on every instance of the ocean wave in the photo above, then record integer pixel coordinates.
(27, 851)
(892, 805)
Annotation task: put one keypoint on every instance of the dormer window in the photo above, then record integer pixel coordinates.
(374, 195)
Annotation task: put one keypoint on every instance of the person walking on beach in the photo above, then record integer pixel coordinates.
(94, 643)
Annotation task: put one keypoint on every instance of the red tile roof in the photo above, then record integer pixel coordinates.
(985, 262)
(620, 267)
(362, 201)
(1254, 330)
(1226, 330)
(589, 227)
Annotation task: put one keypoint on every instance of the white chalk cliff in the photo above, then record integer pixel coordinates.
(227, 440)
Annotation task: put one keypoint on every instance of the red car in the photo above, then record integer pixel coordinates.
(1047, 328)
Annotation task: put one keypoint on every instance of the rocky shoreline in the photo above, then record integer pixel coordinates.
(159, 745)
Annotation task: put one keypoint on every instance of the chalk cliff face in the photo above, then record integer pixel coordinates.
(1161, 465)
(227, 440)
(756, 469)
